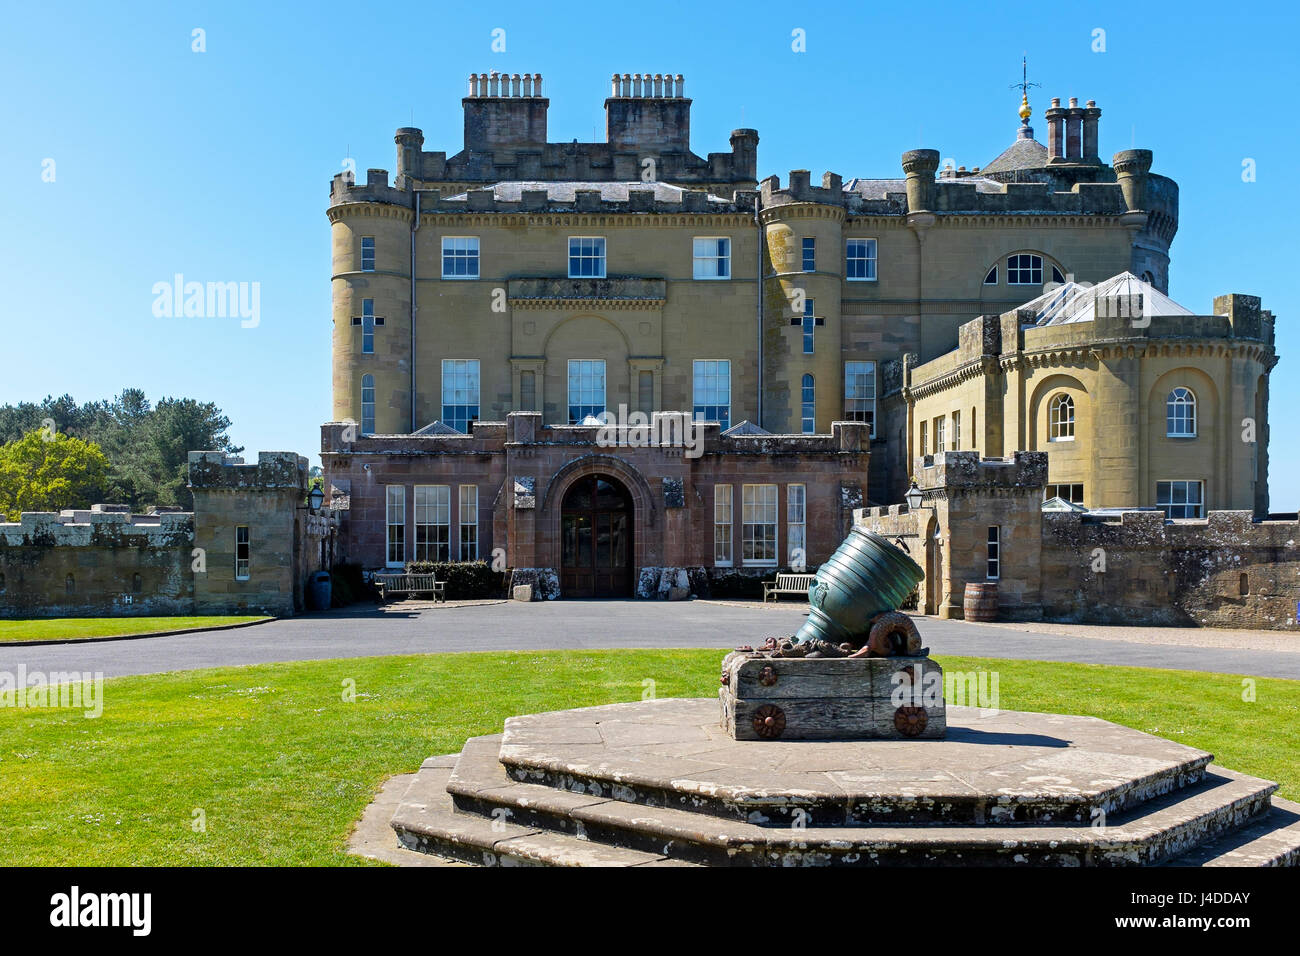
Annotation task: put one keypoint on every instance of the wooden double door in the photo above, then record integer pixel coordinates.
(596, 539)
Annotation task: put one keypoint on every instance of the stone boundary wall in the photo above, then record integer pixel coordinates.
(1224, 571)
(104, 562)
(107, 562)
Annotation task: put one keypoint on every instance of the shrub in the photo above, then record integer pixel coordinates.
(465, 579)
(743, 584)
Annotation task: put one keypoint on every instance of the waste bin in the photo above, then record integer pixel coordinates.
(320, 590)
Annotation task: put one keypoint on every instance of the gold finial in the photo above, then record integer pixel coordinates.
(1025, 111)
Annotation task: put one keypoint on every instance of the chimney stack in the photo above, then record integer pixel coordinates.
(1073, 130)
(505, 110)
(1091, 114)
(648, 112)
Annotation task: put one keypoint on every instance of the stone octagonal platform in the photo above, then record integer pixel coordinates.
(662, 783)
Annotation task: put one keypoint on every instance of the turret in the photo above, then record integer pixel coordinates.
(1131, 169)
(920, 165)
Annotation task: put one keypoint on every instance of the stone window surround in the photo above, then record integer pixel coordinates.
(874, 249)
(461, 254)
(723, 510)
(1175, 401)
(593, 256)
(697, 260)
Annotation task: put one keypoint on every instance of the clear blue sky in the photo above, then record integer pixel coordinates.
(216, 165)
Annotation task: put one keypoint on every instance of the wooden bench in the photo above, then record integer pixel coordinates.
(407, 584)
(787, 584)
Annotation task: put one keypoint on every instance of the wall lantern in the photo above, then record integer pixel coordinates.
(913, 497)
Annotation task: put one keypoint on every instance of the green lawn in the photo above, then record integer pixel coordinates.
(63, 628)
(282, 766)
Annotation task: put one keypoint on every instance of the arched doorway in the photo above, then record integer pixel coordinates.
(596, 538)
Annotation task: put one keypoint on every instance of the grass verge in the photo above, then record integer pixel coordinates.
(70, 628)
(277, 765)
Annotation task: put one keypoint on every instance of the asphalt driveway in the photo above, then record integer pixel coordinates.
(607, 624)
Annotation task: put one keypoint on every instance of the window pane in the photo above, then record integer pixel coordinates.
(860, 259)
(586, 389)
(712, 391)
(460, 255)
(460, 393)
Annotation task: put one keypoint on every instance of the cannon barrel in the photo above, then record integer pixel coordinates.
(866, 576)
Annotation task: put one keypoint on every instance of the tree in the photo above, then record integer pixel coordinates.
(44, 472)
(147, 446)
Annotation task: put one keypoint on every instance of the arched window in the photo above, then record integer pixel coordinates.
(1025, 269)
(1061, 419)
(1180, 413)
(808, 405)
(367, 404)
(137, 584)
(70, 585)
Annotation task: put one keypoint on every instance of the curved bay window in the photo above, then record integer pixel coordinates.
(1180, 413)
(1061, 419)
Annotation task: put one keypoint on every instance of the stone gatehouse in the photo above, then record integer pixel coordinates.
(984, 520)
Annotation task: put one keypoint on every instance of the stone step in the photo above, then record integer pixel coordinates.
(427, 821)
(1163, 827)
(1272, 839)
(998, 767)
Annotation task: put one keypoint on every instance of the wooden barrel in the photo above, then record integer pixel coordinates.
(981, 601)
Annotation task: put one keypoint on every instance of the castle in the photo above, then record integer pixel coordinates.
(624, 368)
(493, 308)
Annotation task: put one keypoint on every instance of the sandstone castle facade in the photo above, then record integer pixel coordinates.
(492, 304)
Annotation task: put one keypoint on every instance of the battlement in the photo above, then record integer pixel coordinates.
(526, 428)
(539, 197)
(215, 471)
(954, 472)
(100, 526)
(969, 195)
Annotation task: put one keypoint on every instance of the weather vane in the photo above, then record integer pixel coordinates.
(1024, 86)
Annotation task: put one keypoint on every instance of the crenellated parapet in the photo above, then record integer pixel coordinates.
(953, 473)
(102, 526)
(274, 470)
(534, 199)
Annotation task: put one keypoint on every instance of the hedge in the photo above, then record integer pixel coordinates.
(465, 580)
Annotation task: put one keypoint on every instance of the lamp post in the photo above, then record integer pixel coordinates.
(315, 498)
